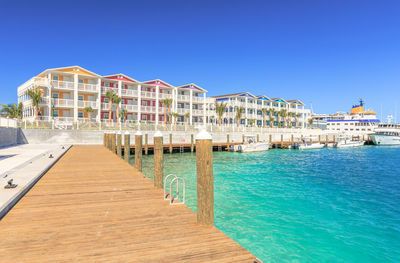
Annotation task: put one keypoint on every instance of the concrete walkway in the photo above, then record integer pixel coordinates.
(25, 164)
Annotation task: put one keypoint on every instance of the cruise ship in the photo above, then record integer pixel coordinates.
(386, 134)
(358, 120)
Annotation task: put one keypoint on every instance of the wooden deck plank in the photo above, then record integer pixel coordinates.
(94, 207)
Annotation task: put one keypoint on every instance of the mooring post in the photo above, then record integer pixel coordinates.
(258, 137)
(292, 138)
(170, 143)
(334, 138)
(146, 143)
(119, 144)
(227, 141)
(270, 139)
(326, 138)
(113, 139)
(127, 146)
(191, 142)
(319, 138)
(242, 138)
(310, 138)
(205, 179)
(104, 139)
(138, 150)
(108, 140)
(281, 139)
(158, 160)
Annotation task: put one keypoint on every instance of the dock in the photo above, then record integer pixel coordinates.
(91, 206)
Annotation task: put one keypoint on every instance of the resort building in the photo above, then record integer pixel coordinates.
(67, 91)
(260, 111)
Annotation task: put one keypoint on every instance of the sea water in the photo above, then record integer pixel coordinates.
(326, 205)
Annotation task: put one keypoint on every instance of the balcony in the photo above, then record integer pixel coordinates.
(88, 87)
(64, 85)
(105, 89)
(165, 96)
(129, 93)
(197, 112)
(87, 103)
(62, 103)
(183, 110)
(148, 95)
(198, 99)
(148, 109)
(130, 107)
(183, 98)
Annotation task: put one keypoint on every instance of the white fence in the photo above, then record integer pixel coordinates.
(8, 123)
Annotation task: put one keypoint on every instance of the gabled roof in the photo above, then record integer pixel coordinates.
(296, 102)
(158, 82)
(263, 97)
(122, 77)
(246, 94)
(191, 86)
(72, 69)
(279, 100)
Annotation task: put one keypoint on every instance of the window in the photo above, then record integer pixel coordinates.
(107, 84)
(55, 113)
(105, 100)
(80, 114)
(105, 115)
(80, 97)
(55, 77)
(80, 81)
(55, 95)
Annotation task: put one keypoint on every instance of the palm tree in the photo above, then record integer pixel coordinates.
(289, 121)
(239, 113)
(187, 117)
(297, 116)
(283, 113)
(220, 109)
(167, 103)
(271, 117)
(116, 100)
(89, 111)
(110, 95)
(36, 95)
(310, 122)
(265, 112)
(123, 115)
(13, 110)
(175, 115)
(252, 121)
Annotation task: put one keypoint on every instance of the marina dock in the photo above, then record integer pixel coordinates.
(91, 206)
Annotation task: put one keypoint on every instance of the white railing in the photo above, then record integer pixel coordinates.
(106, 106)
(182, 110)
(87, 103)
(129, 107)
(62, 84)
(197, 112)
(197, 99)
(165, 96)
(62, 102)
(183, 98)
(88, 87)
(105, 89)
(41, 81)
(43, 100)
(148, 109)
(129, 92)
(8, 123)
(148, 94)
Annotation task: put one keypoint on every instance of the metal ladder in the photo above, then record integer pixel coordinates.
(181, 149)
(169, 196)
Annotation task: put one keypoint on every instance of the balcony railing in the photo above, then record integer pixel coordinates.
(183, 98)
(87, 103)
(147, 94)
(88, 87)
(150, 109)
(129, 107)
(62, 103)
(165, 96)
(129, 92)
(198, 99)
(105, 89)
(56, 84)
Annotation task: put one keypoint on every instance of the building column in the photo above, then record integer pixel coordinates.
(76, 81)
(119, 95)
(98, 117)
(191, 106)
(246, 121)
(204, 109)
(157, 103)
(139, 111)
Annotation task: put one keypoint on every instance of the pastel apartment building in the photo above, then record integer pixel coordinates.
(67, 91)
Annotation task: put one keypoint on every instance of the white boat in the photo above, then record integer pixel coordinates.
(386, 134)
(346, 142)
(306, 144)
(250, 145)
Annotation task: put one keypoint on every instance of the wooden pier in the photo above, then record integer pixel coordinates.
(94, 207)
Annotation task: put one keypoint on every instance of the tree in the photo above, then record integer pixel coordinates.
(175, 115)
(116, 100)
(297, 116)
(271, 117)
(220, 109)
(36, 96)
(167, 103)
(110, 95)
(187, 117)
(239, 113)
(252, 121)
(89, 111)
(13, 110)
(310, 122)
(265, 112)
(283, 113)
(123, 115)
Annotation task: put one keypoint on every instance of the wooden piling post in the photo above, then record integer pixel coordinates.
(127, 146)
(104, 139)
(191, 142)
(119, 144)
(138, 151)
(319, 138)
(113, 142)
(158, 160)
(242, 138)
(258, 137)
(281, 139)
(292, 138)
(227, 141)
(146, 144)
(109, 141)
(326, 138)
(270, 139)
(334, 138)
(205, 179)
(170, 143)
(310, 138)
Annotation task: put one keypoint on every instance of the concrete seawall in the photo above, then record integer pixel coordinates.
(35, 136)
(11, 136)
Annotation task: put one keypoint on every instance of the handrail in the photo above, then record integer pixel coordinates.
(169, 196)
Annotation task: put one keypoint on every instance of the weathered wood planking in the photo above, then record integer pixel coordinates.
(94, 207)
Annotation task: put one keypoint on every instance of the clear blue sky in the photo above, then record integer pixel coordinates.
(329, 53)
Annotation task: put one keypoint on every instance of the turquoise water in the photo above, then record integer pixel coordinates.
(327, 205)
